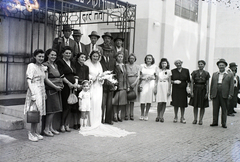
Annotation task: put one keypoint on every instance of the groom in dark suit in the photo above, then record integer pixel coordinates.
(221, 90)
(108, 63)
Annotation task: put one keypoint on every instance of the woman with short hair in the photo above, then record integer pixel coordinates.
(68, 73)
(200, 90)
(35, 75)
(180, 83)
(54, 86)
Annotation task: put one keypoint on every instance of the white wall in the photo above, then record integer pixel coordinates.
(227, 43)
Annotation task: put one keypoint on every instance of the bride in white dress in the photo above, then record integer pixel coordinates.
(96, 127)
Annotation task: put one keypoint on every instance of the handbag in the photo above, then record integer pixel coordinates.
(33, 115)
(72, 98)
(131, 94)
(139, 88)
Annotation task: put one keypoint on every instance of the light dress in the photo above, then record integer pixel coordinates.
(86, 99)
(146, 96)
(36, 73)
(97, 128)
(162, 87)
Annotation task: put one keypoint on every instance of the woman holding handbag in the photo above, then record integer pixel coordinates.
(133, 73)
(68, 73)
(35, 98)
(120, 97)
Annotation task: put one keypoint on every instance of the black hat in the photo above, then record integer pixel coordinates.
(222, 61)
(107, 34)
(121, 38)
(94, 33)
(66, 27)
(232, 64)
(77, 32)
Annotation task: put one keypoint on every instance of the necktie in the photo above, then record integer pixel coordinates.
(67, 44)
(79, 48)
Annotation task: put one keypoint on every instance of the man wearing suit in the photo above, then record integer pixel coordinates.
(233, 102)
(93, 46)
(119, 48)
(221, 90)
(61, 42)
(77, 35)
(108, 63)
(107, 41)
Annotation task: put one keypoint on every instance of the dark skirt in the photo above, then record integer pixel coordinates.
(53, 102)
(199, 92)
(120, 98)
(179, 97)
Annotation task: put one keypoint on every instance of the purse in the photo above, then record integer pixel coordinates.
(131, 95)
(139, 88)
(33, 115)
(72, 98)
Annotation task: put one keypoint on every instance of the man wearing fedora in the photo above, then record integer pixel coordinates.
(77, 35)
(233, 102)
(93, 45)
(61, 42)
(119, 48)
(108, 63)
(221, 90)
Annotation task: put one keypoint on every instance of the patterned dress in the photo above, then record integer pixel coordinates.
(199, 89)
(36, 74)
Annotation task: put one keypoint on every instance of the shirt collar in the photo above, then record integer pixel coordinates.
(225, 72)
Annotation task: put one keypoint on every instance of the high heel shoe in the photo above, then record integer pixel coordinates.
(194, 122)
(175, 120)
(48, 133)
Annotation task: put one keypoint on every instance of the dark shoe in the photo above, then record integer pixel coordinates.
(75, 126)
(231, 115)
(115, 120)
(110, 123)
(131, 118)
(234, 111)
(157, 119)
(224, 126)
(48, 133)
(161, 120)
(119, 119)
(200, 122)
(213, 125)
(126, 118)
(78, 125)
(194, 122)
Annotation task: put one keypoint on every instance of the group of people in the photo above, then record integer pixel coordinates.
(72, 67)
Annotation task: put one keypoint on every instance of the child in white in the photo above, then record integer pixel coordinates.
(84, 102)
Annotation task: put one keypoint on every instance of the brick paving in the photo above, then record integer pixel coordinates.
(153, 141)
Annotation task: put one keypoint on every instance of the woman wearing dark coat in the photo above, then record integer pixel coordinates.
(120, 97)
(68, 73)
(82, 71)
(180, 83)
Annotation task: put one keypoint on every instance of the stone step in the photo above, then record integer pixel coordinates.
(16, 110)
(8, 122)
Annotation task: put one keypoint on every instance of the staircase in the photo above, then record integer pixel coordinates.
(11, 111)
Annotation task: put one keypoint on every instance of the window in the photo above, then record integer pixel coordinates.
(187, 9)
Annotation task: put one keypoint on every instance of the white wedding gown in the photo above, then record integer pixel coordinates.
(97, 128)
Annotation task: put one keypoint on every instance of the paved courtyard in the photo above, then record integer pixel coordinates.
(153, 141)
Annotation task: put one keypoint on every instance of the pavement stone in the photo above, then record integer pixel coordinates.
(153, 141)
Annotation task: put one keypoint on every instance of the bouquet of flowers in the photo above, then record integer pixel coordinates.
(109, 76)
